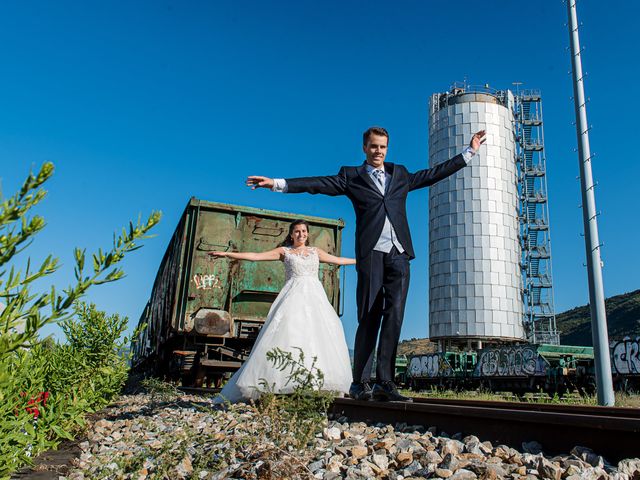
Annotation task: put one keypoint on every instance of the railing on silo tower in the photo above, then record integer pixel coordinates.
(535, 240)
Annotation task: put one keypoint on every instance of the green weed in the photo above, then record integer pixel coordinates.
(159, 390)
(293, 420)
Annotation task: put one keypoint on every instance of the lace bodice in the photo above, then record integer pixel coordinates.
(300, 264)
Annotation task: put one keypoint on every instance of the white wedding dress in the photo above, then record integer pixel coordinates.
(300, 317)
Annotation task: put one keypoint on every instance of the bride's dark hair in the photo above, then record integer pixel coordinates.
(289, 241)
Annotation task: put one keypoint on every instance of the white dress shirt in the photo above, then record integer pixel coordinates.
(388, 238)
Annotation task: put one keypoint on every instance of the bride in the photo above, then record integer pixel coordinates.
(301, 317)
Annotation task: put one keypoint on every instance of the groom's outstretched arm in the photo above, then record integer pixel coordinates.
(328, 185)
(429, 176)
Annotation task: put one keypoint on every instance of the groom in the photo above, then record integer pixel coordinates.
(378, 191)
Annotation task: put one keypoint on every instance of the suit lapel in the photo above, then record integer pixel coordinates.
(362, 171)
(388, 168)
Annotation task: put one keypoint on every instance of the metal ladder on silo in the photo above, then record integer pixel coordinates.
(535, 241)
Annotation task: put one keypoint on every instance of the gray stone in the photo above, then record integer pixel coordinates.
(578, 450)
(532, 447)
(450, 462)
(594, 473)
(367, 470)
(463, 474)
(452, 446)
(333, 433)
(501, 451)
(630, 467)
(412, 468)
(573, 461)
(548, 469)
(530, 461)
(495, 472)
(344, 451)
(473, 447)
(354, 473)
(381, 461)
(404, 444)
(487, 447)
(470, 439)
(432, 456)
(619, 476)
(571, 470)
(331, 476)
(315, 466)
(594, 460)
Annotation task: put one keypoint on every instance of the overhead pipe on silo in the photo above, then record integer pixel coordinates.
(604, 383)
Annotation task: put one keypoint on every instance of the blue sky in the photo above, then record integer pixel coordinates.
(142, 105)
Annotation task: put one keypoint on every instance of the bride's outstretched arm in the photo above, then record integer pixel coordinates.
(328, 258)
(274, 254)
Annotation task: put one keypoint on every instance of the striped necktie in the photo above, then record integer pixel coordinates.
(379, 174)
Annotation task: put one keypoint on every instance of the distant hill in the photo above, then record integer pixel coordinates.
(623, 319)
(416, 346)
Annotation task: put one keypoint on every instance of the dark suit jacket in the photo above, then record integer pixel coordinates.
(369, 204)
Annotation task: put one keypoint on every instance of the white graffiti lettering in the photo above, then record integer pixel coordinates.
(625, 356)
(432, 365)
(206, 281)
(508, 362)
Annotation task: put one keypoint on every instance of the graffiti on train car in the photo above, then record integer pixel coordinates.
(206, 281)
(432, 365)
(517, 360)
(625, 356)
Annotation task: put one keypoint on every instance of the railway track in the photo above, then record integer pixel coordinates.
(611, 432)
(200, 390)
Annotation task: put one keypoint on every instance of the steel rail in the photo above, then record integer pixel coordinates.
(199, 390)
(611, 432)
(541, 407)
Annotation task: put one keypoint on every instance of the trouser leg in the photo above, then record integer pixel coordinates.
(370, 304)
(395, 289)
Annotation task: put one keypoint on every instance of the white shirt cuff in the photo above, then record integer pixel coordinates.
(468, 154)
(279, 185)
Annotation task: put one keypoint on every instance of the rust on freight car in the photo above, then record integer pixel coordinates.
(204, 313)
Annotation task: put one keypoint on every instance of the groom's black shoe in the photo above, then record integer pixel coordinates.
(388, 392)
(360, 391)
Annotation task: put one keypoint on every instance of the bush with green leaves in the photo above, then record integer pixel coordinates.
(93, 358)
(30, 366)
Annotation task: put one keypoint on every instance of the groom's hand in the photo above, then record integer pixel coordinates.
(478, 139)
(259, 182)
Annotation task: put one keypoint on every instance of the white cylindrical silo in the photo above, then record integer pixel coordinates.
(474, 253)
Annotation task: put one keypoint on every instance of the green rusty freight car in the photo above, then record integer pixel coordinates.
(204, 313)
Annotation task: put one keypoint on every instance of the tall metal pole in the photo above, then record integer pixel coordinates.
(592, 244)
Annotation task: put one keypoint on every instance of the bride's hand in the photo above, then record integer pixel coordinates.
(217, 254)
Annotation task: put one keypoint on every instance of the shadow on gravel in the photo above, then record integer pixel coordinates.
(155, 407)
(51, 464)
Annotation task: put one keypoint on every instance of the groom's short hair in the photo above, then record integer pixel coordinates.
(374, 131)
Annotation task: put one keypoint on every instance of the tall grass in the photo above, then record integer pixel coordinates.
(622, 399)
